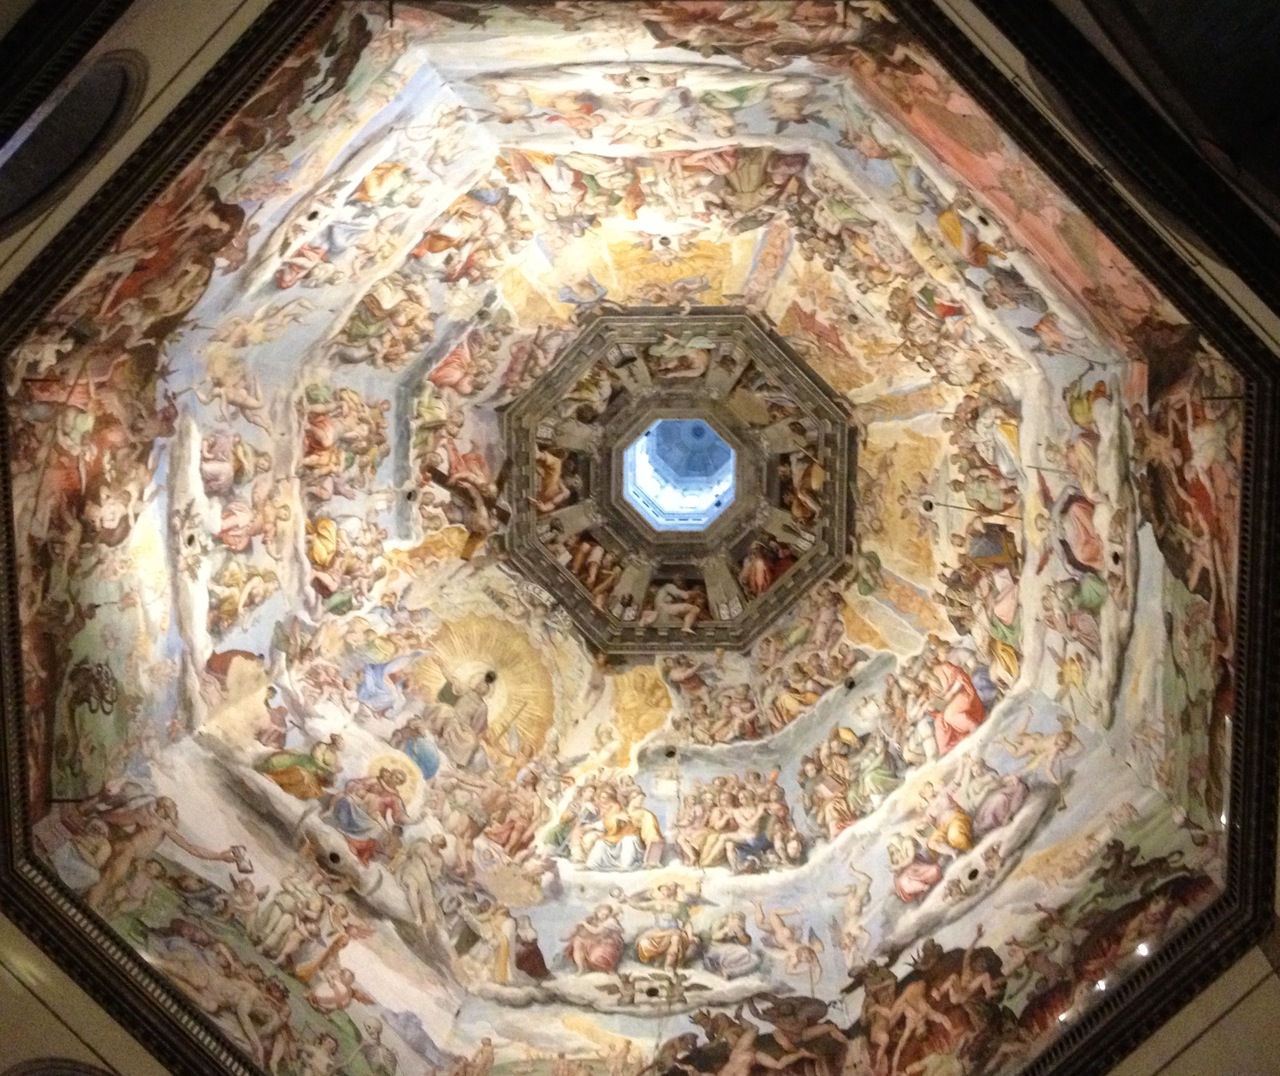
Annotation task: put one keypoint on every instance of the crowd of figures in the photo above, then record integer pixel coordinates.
(194, 505)
(606, 826)
(743, 823)
(567, 443)
(785, 675)
(980, 1010)
(245, 953)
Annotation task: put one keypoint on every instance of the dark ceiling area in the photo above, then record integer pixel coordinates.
(1212, 66)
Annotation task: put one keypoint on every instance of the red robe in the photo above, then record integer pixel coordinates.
(961, 713)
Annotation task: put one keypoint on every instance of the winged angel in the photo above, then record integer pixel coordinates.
(801, 949)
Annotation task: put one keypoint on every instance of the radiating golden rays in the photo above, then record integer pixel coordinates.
(522, 698)
(641, 703)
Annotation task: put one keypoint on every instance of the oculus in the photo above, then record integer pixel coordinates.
(679, 474)
(679, 477)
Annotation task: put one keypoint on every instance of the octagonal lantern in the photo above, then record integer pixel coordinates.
(679, 474)
(678, 478)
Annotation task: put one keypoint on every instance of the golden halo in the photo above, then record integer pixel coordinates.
(401, 764)
(522, 697)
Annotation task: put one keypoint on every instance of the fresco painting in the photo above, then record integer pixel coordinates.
(303, 736)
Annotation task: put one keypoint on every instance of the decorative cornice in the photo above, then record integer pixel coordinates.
(1270, 946)
(618, 349)
(1173, 180)
(185, 1041)
(169, 1026)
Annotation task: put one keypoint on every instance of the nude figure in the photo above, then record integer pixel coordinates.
(743, 1055)
(220, 988)
(243, 396)
(146, 828)
(1043, 751)
(779, 934)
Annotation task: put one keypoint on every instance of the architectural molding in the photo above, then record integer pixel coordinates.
(1244, 914)
(157, 1015)
(1176, 184)
(730, 368)
(43, 47)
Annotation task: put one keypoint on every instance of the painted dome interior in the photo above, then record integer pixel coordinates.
(679, 474)
(360, 704)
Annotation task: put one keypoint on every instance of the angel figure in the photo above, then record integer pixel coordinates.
(511, 103)
(848, 931)
(234, 389)
(1072, 675)
(265, 325)
(259, 517)
(235, 591)
(1043, 750)
(578, 110)
(333, 988)
(671, 942)
(801, 951)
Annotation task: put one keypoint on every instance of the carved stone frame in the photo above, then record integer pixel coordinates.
(179, 1036)
(1183, 191)
(186, 1041)
(822, 549)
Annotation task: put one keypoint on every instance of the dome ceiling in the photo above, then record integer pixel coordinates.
(669, 471)
(679, 474)
(562, 521)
